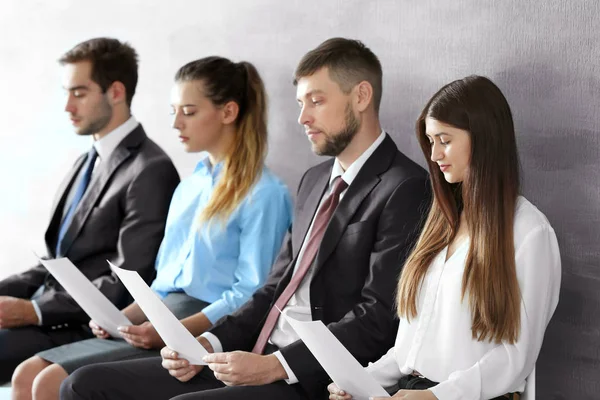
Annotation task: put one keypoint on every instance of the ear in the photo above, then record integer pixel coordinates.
(364, 96)
(229, 112)
(117, 93)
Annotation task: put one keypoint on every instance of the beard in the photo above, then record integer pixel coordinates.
(337, 142)
(99, 120)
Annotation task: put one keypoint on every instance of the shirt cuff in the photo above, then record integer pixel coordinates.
(38, 312)
(291, 376)
(216, 310)
(214, 342)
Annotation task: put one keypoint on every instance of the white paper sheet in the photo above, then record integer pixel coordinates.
(172, 332)
(89, 298)
(336, 360)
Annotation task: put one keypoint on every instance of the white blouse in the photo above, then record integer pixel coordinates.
(438, 343)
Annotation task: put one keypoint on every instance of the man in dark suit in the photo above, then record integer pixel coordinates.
(356, 218)
(112, 206)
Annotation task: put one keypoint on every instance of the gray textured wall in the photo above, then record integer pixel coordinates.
(545, 56)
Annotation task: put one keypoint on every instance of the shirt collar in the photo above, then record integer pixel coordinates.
(108, 143)
(350, 174)
(204, 167)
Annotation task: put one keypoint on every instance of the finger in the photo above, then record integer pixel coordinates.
(221, 358)
(135, 343)
(220, 368)
(187, 376)
(227, 379)
(175, 364)
(167, 353)
(180, 372)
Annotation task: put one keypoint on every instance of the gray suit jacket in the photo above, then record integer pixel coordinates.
(121, 218)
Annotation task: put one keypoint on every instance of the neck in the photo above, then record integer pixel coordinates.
(221, 149)
(119, 117)
(368, 132)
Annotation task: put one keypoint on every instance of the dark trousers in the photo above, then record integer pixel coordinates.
(411, 382)
(147, 379)
(18, 344)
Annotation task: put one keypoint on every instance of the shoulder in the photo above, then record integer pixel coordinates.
(403, 168)
(269, 183)
(316, 172)
(529, 220)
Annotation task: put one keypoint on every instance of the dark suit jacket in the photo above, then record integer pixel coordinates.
(356, 268)
(121, 218)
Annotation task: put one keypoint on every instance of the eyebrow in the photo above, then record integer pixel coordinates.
(311, 93)
(438, 134)
(80, 87)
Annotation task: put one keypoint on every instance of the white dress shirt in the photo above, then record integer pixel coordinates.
(298, 307)
(104, 147)
(438, 343)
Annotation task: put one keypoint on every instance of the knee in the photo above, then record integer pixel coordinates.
(81, 383)
(47, 382)
(26, 372)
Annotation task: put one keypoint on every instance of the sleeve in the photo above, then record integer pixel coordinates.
(140, 234)
(214, 342)
(250, 317)
(505, 368)
(264, 218)
(25, 284)
(386, 370)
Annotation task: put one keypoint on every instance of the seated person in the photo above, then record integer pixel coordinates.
(479, 289)
(111, 206)
(225, 225)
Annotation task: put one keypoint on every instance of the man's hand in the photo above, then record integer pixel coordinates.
(143, 336)
(15, 313)
(98, 331)
(335, 393)
(178, 368)
(240, 368)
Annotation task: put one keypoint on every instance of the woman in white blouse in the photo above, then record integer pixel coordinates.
(482, 283)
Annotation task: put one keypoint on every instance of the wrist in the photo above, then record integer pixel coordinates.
(31, 315)
(278, 372)
(204, 342)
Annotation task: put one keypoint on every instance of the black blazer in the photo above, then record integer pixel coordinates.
(121, 218)
(356, 268)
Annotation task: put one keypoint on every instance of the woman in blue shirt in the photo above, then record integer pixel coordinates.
(225, 225)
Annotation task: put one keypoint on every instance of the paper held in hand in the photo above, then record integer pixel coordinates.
(89, 298)
(336, 360)
(172, 332)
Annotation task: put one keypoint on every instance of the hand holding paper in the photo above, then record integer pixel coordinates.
(174, 334)
(336, 360)
(89, 298)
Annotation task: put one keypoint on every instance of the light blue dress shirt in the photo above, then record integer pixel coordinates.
(221, 263)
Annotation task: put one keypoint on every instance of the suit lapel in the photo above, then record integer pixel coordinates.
(99, 182)
(65, 186)
(366, 180)
(308, 210)
(59, 203)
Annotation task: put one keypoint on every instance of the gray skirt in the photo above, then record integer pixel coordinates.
(92, 351)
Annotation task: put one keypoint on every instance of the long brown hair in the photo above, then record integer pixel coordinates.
(487, 196)
(226, 81)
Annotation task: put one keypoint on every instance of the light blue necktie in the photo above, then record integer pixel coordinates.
(79, 192)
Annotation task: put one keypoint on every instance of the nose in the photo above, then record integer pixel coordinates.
(177, 121)
(305, 117)
(437, 153)
(69, 106)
